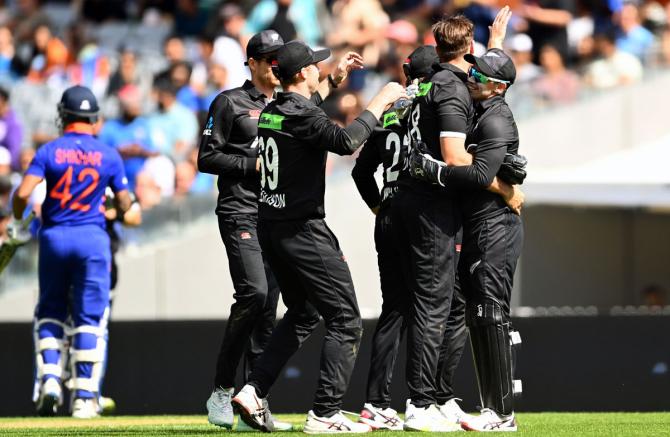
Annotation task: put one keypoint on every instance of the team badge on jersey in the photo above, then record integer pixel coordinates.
(208, 126)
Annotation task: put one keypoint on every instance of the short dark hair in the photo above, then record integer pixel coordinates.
(163, 83)
(453, 35)
(4, 94)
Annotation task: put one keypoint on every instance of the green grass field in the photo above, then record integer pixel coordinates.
(530, 424)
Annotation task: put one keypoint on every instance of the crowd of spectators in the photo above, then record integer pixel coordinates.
(155, 65)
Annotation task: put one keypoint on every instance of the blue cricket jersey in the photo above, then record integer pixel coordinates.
(77, 168)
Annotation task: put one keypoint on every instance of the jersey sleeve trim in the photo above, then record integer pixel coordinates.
(451, 134)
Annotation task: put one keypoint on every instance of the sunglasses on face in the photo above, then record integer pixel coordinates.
(481, 78)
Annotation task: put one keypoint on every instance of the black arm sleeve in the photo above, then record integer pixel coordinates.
(316, 99)
(364, 173)
(212, 157)
(497, 132)
(324, 133)
(480, 174)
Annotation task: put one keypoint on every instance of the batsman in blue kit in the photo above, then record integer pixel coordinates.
(74, 255)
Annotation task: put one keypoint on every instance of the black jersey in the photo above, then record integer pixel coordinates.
(386, 146)
(294, 138)
(494, 135)
(228, 148)
(442, 108)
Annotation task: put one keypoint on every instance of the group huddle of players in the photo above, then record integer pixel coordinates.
(448, 235)
(448, 231)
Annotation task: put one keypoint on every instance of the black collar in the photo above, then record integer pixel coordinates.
(290, 95)
(483, 105)
(462, 75)
(249, 87)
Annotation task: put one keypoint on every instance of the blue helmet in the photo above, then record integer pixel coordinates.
(78, 102)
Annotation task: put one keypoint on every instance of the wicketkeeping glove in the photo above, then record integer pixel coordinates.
(513, 169)
(424, 167)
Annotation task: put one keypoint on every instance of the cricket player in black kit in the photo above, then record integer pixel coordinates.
(387, 146)
(492, 238)
(426, 224)
(228, 149)
(294, 138)
(427, 218)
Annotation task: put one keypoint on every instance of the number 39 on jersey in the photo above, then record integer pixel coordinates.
(269, 156)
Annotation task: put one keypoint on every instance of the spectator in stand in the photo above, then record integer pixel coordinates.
(218, 78)
(92, 70)
(615, 67)
(174, 128)
(299, 17)
(520, 96)
(189, 18)
(174, 51)
(130, 134)
(29, 16)
(634, 38)
(35, 104)
(520, 47)
(28, 50)
(180, 73)
(200, 67)
(229, 54)
(359, 25)
(188, 180)
(155, 182)
(234, 22)
(547, 22)
(129, 71)
(11, 133)
(184, 177)
(147, 191)
(557, 84)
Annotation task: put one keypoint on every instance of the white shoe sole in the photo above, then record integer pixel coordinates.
(466, 427)
(409, 427)
(247, 415)
(377, 426)
(307, 430)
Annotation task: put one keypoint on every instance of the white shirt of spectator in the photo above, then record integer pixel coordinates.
(228, 53)
(608, 73)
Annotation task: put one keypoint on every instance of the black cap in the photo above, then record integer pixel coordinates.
(262, 43)
(79, 101)
(494, 64)
(295, 55)
(420, 62)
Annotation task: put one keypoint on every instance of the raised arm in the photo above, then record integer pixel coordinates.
(350, 61)
(345, 141)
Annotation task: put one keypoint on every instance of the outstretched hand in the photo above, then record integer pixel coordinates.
(498, 29)
(347, 63)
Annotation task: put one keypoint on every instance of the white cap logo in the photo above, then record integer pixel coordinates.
(274, 36)
(85, 105)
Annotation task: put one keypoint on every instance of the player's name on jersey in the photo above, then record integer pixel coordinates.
(69, 156)
(274, 200)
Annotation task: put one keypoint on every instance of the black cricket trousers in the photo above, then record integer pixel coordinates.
(315, 280)
(252, 316)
